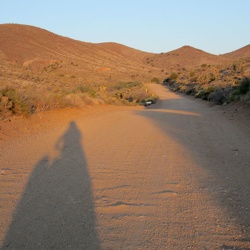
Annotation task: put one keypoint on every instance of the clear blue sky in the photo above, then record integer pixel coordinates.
(215, 26)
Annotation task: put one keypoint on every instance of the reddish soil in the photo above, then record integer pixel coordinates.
(174, 175)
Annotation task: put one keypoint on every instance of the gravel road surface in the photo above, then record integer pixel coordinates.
(174, 175)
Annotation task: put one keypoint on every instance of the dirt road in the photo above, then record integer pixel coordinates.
(175, 175)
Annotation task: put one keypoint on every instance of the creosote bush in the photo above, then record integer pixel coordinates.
(12, 103)
(241, 91)
(173, 76)
(155, 79)
(244, 86)
(220, 96)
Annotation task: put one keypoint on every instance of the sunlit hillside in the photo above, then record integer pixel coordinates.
(40, 70)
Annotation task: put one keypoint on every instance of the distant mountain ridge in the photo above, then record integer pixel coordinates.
(35, 47)
(187, 57)
(26, 41)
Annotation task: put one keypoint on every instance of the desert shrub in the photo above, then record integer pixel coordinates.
(246, 97)
(191, 74)
(80, 100)
(219, 96)
(126, 93)
(65, 99)
(155, 79)
(176, 86)
(194, 79)
(167, 81)
(204, 93)
(244, 86)
(210, 89)
(212, 77)
(125, 85)
(13, 103)
(190, 90)
(90, 90)
(49, 101)
(173, 85)
(201, 94)
(137, 95)
(234, 96)
(173, 76)
(242, 89)
(73, 100)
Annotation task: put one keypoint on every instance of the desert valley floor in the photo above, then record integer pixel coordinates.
(174, 175)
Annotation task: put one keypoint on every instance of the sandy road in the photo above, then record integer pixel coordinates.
(175, 175)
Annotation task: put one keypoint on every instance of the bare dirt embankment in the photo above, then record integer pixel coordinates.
(172, 176)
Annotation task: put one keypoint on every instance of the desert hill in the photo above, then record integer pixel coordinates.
(40, 70)
(46, 70)
(124, 51)
(24, 42)
(243, 52)
(186, 57)
(37, 49)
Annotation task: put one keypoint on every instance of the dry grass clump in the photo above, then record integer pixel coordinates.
(80, 100)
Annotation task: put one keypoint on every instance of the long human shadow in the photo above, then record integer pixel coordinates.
(57, 209)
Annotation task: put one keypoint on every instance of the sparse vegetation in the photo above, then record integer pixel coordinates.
(43, 79)
(25, 101)
(214, 93)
